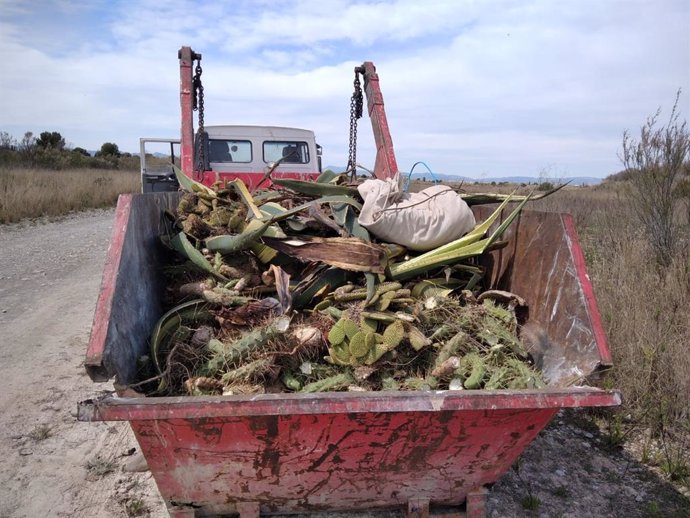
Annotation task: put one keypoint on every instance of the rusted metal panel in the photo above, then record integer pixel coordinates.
(347, 461)
(543, 263)
(186, 56)
(386, 165)
(127, 409)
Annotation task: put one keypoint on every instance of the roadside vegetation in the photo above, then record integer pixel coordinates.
(42, 176)
(31, 193)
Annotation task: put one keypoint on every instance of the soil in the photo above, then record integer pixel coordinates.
(54, 466)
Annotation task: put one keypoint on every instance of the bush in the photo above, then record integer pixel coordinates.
(655, 165)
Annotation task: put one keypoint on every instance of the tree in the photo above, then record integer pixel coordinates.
(109, 149)
(81, 151)
(7, 141)
(656, 164)
(51, 140)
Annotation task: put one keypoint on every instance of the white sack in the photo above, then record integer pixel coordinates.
(418, 221)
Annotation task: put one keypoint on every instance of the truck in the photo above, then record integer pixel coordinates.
(257, 454)
(223, 153)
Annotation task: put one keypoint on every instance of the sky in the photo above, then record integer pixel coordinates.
(541, 88)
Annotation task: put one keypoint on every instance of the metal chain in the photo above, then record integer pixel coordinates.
(198, 90)
(356, 107)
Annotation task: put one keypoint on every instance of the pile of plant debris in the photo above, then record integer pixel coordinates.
(283, 290)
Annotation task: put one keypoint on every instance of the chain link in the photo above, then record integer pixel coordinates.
(198, 89)
(356, 107)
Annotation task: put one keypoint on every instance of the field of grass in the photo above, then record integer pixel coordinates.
(31, 193)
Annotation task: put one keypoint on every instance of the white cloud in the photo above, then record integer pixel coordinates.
(469, 87)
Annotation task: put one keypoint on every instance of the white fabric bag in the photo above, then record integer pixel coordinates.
(418, 221)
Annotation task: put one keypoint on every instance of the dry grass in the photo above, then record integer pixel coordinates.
(31, 193)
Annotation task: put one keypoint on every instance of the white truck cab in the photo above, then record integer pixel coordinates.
(243, 152)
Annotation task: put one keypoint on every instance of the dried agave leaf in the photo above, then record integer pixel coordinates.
(352, 254)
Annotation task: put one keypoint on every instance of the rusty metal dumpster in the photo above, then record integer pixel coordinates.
(290, 453)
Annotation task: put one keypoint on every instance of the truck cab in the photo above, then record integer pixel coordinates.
(244, 152)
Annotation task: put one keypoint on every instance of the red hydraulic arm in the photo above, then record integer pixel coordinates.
(187, 57)
(386, 165)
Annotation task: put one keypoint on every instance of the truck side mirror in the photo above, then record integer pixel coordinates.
(319, 152)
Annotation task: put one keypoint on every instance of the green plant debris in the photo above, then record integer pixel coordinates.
(348, 317)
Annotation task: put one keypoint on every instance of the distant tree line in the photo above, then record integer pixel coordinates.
(49, 151)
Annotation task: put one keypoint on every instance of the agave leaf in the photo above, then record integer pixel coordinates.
(348, 253)
(371, 287)
(325, 199)
(327, 176)
(417, 266)
(266, 196)
(506, 223)
(439, 284)
(264, 253)
(271, 209)
(190, 313)
(192, 185)
(182, 245)
(315, 189)
(339, 212)
(246, 196)
(323, 279)
(234, 243)
(479, 198)
(438, 257)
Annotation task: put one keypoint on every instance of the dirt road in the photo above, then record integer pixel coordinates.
(49, 279)
(53, 466)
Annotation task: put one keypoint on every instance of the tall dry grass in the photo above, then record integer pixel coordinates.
(30, 193)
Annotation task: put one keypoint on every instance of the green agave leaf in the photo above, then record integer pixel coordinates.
(182, 245)
(264, 253)
(192, 185)
(416, 266)
(190, 313)
(235, 243)
(246, 196)
(325, 199)
(506, 223)
(327, 176)
(272, 209)
(479, 198)
(314, 188)
(266, 196)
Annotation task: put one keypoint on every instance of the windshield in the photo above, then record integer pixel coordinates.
(290, 152)
(229, 151)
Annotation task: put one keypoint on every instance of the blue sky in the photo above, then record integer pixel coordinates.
(493, 88)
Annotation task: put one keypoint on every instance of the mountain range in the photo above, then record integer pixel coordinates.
(573, 180)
